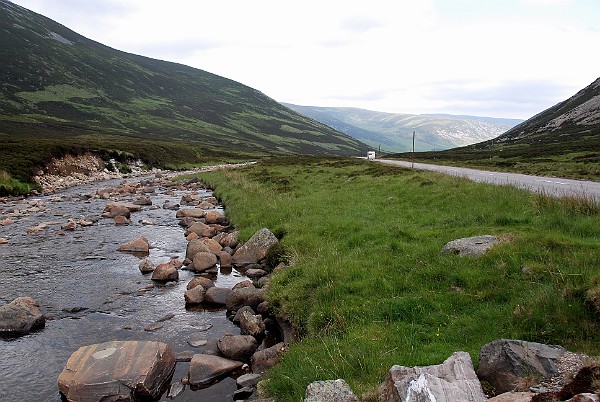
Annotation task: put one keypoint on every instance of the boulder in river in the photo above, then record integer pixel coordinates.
(200, 281)
(238, 347)
(117, 370)
(205, 369)
(217, 295)
(114, 208)
(194, 247)
(248, 296)
(230, 239)
(201, 229)
(194, 295)
(251, 324)
(143, 200)
(453, 380)
(146, 266)
(20, 317)
(190, 213)
(214, 217)
(165, 272)
(225, 259)
(203, 261)
(255, 249)
(121, 220)
(137, 245)
(212, 245)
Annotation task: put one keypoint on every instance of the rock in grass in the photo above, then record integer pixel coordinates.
(471, 246)
(505, 362)
(330, 391)
(264, 359)
(255, 249)
(453, 380)
(98, 372)
(20, 317)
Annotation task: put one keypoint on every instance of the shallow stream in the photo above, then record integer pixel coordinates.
(93, 294)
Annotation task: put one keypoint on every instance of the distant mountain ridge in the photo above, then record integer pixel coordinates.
(54, 81)
(393, 132)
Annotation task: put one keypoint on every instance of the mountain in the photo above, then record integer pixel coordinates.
(57, 83)
(393, 132)
(574, 119)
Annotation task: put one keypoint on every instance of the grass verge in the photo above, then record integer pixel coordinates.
(368, 287)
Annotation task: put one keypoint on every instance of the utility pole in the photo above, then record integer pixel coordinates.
(491, 149)
(412, 158)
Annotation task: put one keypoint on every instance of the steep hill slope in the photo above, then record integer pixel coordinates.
(575, 118)
(394, 131)
(55, 82)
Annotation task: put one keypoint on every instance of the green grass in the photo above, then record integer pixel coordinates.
(368, 287)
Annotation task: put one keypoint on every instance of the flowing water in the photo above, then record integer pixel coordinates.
(92, 293)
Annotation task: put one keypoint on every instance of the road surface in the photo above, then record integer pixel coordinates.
(548, 185)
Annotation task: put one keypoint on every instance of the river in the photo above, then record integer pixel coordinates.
(91, 293)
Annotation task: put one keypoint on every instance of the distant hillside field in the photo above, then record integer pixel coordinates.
(393, 132)
(57, 84)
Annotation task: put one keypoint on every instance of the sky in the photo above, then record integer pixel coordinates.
(496, 58)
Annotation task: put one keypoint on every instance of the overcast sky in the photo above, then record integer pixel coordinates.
(499, 58)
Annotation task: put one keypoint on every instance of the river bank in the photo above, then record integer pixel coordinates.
(368, 287)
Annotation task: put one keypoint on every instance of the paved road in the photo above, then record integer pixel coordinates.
(549, 185)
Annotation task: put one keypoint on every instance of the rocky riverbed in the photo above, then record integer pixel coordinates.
(59, 250)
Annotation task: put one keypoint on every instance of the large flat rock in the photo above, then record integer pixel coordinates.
(471, 246)
(206, 369)
(117, 370)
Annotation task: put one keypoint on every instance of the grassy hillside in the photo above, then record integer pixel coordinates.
(369, 288)
(57, 84)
